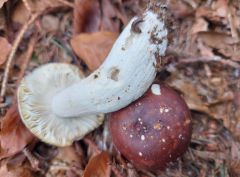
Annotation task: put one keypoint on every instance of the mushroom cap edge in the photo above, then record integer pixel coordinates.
(34, 95)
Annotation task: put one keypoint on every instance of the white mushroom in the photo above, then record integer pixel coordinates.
(59, 107)
(125, 75)
(34, 101)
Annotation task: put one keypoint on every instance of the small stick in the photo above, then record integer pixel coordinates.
(32, 159)
(92, 145)
(69, 4)
(210, 59)
(13, 52)
(27, 5)
(188, 58)
(116, 171)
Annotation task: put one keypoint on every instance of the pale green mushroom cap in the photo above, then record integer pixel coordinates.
(35, 95)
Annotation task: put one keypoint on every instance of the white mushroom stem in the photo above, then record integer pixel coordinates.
(126, 74)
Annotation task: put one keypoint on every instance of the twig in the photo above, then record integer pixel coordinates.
(92, 145)
(233, 26)
(192, 3)
(188, 58)
(66, 3)
(210, 59)
(13, 52)
(28, 7)
(116, 171)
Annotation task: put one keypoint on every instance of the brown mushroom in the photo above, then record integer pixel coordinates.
(154, 130)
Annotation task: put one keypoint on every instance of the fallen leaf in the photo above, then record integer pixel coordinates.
(93, 48)
(236, 128)
(234, 21)
(87, 16)
(235, 158)
(13, 135)
(50, 23)
(98, 166)
(68, 157)
(190, 94)
(200, 25)
(180, 9)
(210, 155)
(20, 14)
(92, 16)
(14, 172)
(204, 49)
(217, 40)
(221, 8)
(109, 14)
(2, 2)
(40, 6)
(211, 95)
(4, 49)
(225, 44)
(210, 15)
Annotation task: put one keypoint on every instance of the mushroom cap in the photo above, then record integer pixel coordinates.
(154, 130)
(35, 95)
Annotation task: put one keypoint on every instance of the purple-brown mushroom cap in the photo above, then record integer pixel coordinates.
(154, 130)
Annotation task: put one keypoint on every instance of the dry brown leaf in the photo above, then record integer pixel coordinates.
(13, 135)
(69, 158)
(69, 155)
(225, 44)
(50, 23)
(211, 95)
(217, 40)
(200, 25)
(20, 14)
(4, 49)
(92, 16)
(210, 15)
(216, 12)
(236, 128)
(235, 158)
(14, 172)
(211, 155)
(93, 48)
(39, 6)
(2, 2)
(234, 21)
(98, 166)
(87, 16)
(180, 9)
(221, 8)
(204, 49)
(109, 13)
(190, 94)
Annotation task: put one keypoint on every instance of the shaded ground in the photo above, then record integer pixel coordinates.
(202, 63)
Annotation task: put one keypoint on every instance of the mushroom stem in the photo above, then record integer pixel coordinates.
(126, 74)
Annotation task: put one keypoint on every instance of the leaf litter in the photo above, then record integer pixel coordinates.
(203, 66)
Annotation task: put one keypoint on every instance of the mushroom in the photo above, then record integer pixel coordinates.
(154, 130)
(59, 106)
(34, 102)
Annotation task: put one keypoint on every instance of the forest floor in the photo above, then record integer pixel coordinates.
(203, 65)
